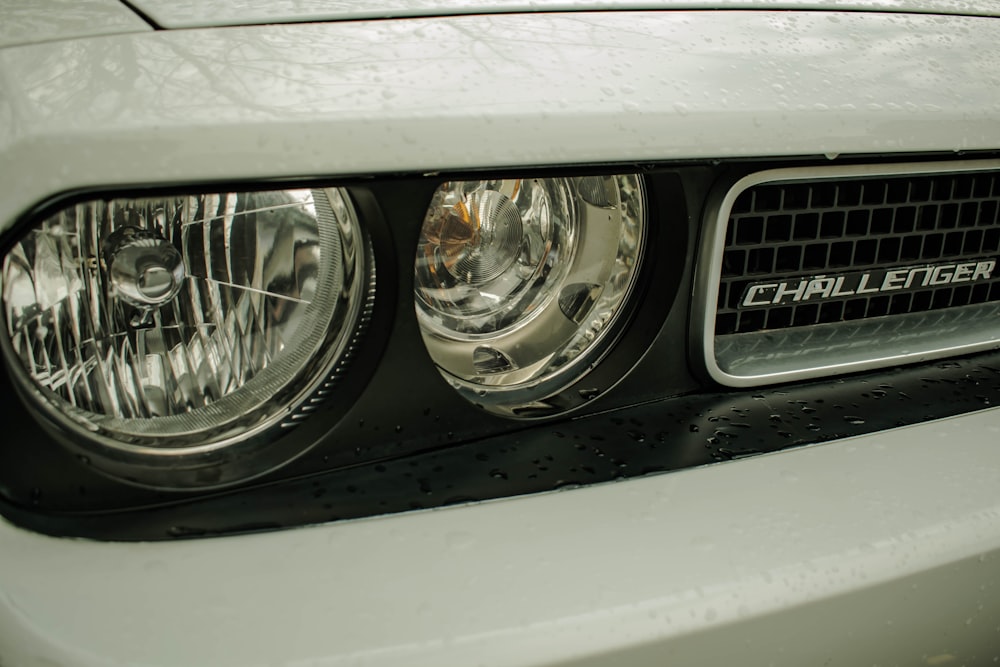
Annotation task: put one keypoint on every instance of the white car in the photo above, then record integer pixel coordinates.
(441, 332)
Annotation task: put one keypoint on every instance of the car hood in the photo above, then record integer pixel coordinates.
(30, 21)
(206, 13)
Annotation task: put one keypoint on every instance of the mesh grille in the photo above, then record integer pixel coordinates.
(791, 230)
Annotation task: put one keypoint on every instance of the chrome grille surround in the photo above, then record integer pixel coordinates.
(901, 232)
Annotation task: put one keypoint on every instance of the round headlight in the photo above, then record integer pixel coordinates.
(173, 338)
(519, 281)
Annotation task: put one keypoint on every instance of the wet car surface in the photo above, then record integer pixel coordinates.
(386, 505)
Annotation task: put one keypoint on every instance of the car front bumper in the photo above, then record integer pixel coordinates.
(881, 548)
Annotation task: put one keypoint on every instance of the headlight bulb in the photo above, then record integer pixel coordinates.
(175, 337)
(144, 269)
(518, 281)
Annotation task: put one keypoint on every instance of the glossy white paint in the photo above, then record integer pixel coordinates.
(31, 21)
(488, 91)
(882, 549)
(203, 13)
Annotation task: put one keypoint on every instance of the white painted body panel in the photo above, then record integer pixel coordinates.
(204, 13)
(31, 21)
(489, 91)
(882, 549)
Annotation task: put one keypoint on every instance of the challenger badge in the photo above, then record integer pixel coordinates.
(859, 283)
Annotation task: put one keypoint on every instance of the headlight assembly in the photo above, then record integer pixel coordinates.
(173, 339)
(519, 281)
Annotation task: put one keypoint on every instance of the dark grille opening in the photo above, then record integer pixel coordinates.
(932, 246)
(881, 221)
(841, 254)
(899, 304)
(814, 258)
(988, 213)
(789, 259)
(779, 318)
(749, 231)
(779, 228)
(805, 315)
(832, 226)
(831, 312)
(888, 250)
(767, 199)
(991, 241)
(857, 222)
(760, 261)
(922, 301)
(910, 248)
(805, 227)
(864, 252)
(784, 232)
(854, 309)
(905, 220)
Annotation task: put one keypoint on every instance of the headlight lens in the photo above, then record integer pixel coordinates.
(519, 281)
(186, 325)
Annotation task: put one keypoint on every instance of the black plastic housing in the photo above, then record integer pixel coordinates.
(396, 437)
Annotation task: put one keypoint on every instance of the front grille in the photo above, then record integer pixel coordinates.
(816, 271)
(803, 229)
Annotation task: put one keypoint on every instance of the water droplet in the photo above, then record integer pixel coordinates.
(855, 421)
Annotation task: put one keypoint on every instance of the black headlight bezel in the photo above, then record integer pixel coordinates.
(53, 474)
(410, 442)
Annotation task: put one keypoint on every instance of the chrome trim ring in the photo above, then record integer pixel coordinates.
(802, 353)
